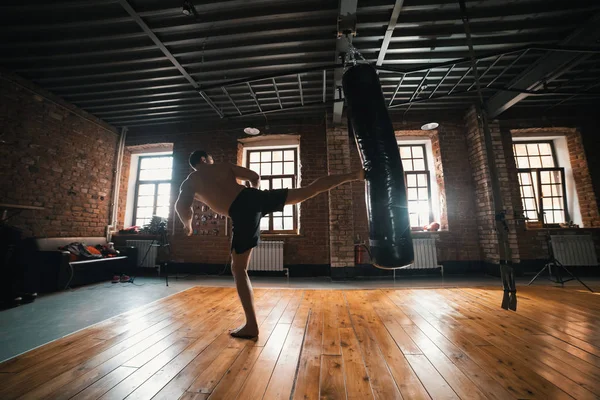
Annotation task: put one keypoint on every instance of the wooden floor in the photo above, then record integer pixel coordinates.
(328, 344)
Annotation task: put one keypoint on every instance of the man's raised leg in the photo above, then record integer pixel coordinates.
(239, 269)
(321, 185)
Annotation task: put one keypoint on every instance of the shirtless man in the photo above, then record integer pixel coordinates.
(216, 185)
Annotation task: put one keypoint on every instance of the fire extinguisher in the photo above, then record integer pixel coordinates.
(359, 253)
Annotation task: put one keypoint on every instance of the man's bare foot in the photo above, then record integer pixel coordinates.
(244, 332)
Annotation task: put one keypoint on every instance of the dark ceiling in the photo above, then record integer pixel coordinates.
(143, 62)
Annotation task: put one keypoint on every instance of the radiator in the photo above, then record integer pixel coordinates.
(147, 250)
(574, 250)
(267, 256)
(425, 254)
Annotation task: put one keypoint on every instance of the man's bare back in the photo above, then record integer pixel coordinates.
(215, 185)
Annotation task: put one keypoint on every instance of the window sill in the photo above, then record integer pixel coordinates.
(279, 235)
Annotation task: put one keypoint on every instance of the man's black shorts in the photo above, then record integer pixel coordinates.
(247, 210)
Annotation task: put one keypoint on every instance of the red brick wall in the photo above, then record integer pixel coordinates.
(457, 240)
(310, 247)
(532, 243)
(341, 221)
(55, 156)
(123, 183)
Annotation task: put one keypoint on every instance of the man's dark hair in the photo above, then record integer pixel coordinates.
(196, 156)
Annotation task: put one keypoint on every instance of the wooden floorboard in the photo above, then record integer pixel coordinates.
(447, 343)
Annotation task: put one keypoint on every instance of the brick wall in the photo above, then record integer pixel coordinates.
(309, 247)
(123, 183)
(533, 243)
(341, 226)
(55, 156)
(485, 208)
(457, 240)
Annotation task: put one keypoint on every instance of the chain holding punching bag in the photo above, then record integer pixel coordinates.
(387, 208)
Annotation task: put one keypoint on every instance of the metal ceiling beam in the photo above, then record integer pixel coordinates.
(324, 86)
(254, 96)
(277, 93)
(346, 27)
(300, 87)
(168, 54)
(389, 31)
(547, 68)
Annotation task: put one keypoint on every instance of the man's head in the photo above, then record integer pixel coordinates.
(200, 157)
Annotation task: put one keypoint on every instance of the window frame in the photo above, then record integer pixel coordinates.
(295, 218)
(156, 182)
(538, 198)
(426, 172)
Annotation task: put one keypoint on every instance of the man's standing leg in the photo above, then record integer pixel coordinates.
(239, 269)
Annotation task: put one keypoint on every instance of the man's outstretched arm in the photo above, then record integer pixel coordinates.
(183, 207)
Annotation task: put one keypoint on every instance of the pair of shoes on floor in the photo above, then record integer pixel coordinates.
(122, 278)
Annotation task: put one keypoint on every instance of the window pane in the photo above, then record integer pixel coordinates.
(144, 212)
(532, 215)
(276, 184)
(532, 149)
(277, 168)
(529, 204)
(547, 202)
(265, 156)
(277, 214)
(254, 156)
(288, 223)
(535, 162)
(255, 167)
(149, 163)
(155, 174)
(559, 217)
(277, 224)
(288, 168)
(419, 165)
(522, 162)
(141, 222)
(423, 195)
(407, 165)
(265, 169)
(520, 150)
(145, 190)
(545, 148)
(289, 155)
(417, 152)
(547, 162)
(145, 201)
(411, 180)
(288, 210)
(557, 190)
(546, 191)
(162, 212)
(558, 204)
(527, 192)
(164, 188)
(414, 220)
(405, 152)
(264, 224)
(163, 201)
(287, 183)
(265, 185)
(422, 180)
(278, 156)
(525, 178)
(545, 177)
(412, 194)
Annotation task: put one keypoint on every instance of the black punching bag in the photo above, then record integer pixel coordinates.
(389, 223)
